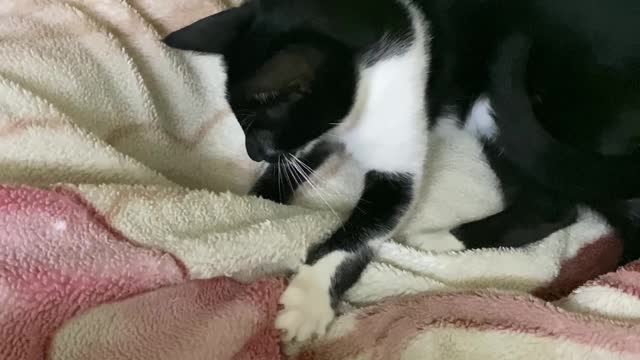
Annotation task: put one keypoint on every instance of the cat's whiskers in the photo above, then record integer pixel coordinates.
(279, 177)
(304, 170)
(287, 175)
(331, 189)
(312, 173)
(253, 120)
(294, 161)
(245, 113)
(248, 118)
(324, 184)
(328, 187)
(295, 174)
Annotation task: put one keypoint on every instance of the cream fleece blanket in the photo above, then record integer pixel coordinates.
(123, 259)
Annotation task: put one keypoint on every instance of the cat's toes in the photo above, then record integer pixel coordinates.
(307, 308)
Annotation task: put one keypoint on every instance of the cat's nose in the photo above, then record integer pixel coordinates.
(260, 146)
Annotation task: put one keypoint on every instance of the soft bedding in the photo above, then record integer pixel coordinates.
(126, 234)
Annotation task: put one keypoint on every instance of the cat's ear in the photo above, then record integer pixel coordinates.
(290, 69)
(213, 34)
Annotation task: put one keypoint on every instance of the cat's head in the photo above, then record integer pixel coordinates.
(288, 82)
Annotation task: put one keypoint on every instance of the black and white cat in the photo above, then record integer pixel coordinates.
(552, 88)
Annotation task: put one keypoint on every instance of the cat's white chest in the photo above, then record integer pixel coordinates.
(387, 127)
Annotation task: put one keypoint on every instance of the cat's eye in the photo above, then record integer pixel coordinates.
(293, 93)
(266, 97)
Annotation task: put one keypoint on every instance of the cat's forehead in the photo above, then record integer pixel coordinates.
(354, 22)
(286, 5)
(285, 12)
(297, 11)
(270, 5)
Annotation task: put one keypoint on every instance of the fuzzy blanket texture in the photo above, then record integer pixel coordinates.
(124, 233)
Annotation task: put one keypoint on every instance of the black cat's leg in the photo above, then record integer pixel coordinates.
(631, 240)
(334, 266)
(520, 224)
(278, 182)
(631, 237)
(624, 217)
(531, 214)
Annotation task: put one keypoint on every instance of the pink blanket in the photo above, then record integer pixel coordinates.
(67, 277)
(73, 287)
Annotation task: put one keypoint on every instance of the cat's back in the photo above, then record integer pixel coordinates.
(359, 24)
(584, 71)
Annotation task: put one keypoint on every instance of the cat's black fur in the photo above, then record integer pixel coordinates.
(564, 83)
(562, 76)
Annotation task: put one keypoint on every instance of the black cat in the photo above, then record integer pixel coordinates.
(551, 88)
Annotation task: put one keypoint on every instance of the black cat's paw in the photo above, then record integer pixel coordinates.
(476, 235)
(515, 229)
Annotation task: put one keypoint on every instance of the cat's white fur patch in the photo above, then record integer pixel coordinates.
(386, 129)
(480, 122)
(307, 301)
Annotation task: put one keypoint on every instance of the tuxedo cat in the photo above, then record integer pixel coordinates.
(551, 88)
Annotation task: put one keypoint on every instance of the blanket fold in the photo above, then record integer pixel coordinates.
(125, 234)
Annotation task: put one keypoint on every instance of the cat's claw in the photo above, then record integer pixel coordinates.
(307, 308)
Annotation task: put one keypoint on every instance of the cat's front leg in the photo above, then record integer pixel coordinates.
(334, 266)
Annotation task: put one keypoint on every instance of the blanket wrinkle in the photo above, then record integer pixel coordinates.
(125, 233)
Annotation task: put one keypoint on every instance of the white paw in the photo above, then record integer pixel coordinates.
(307, 308)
